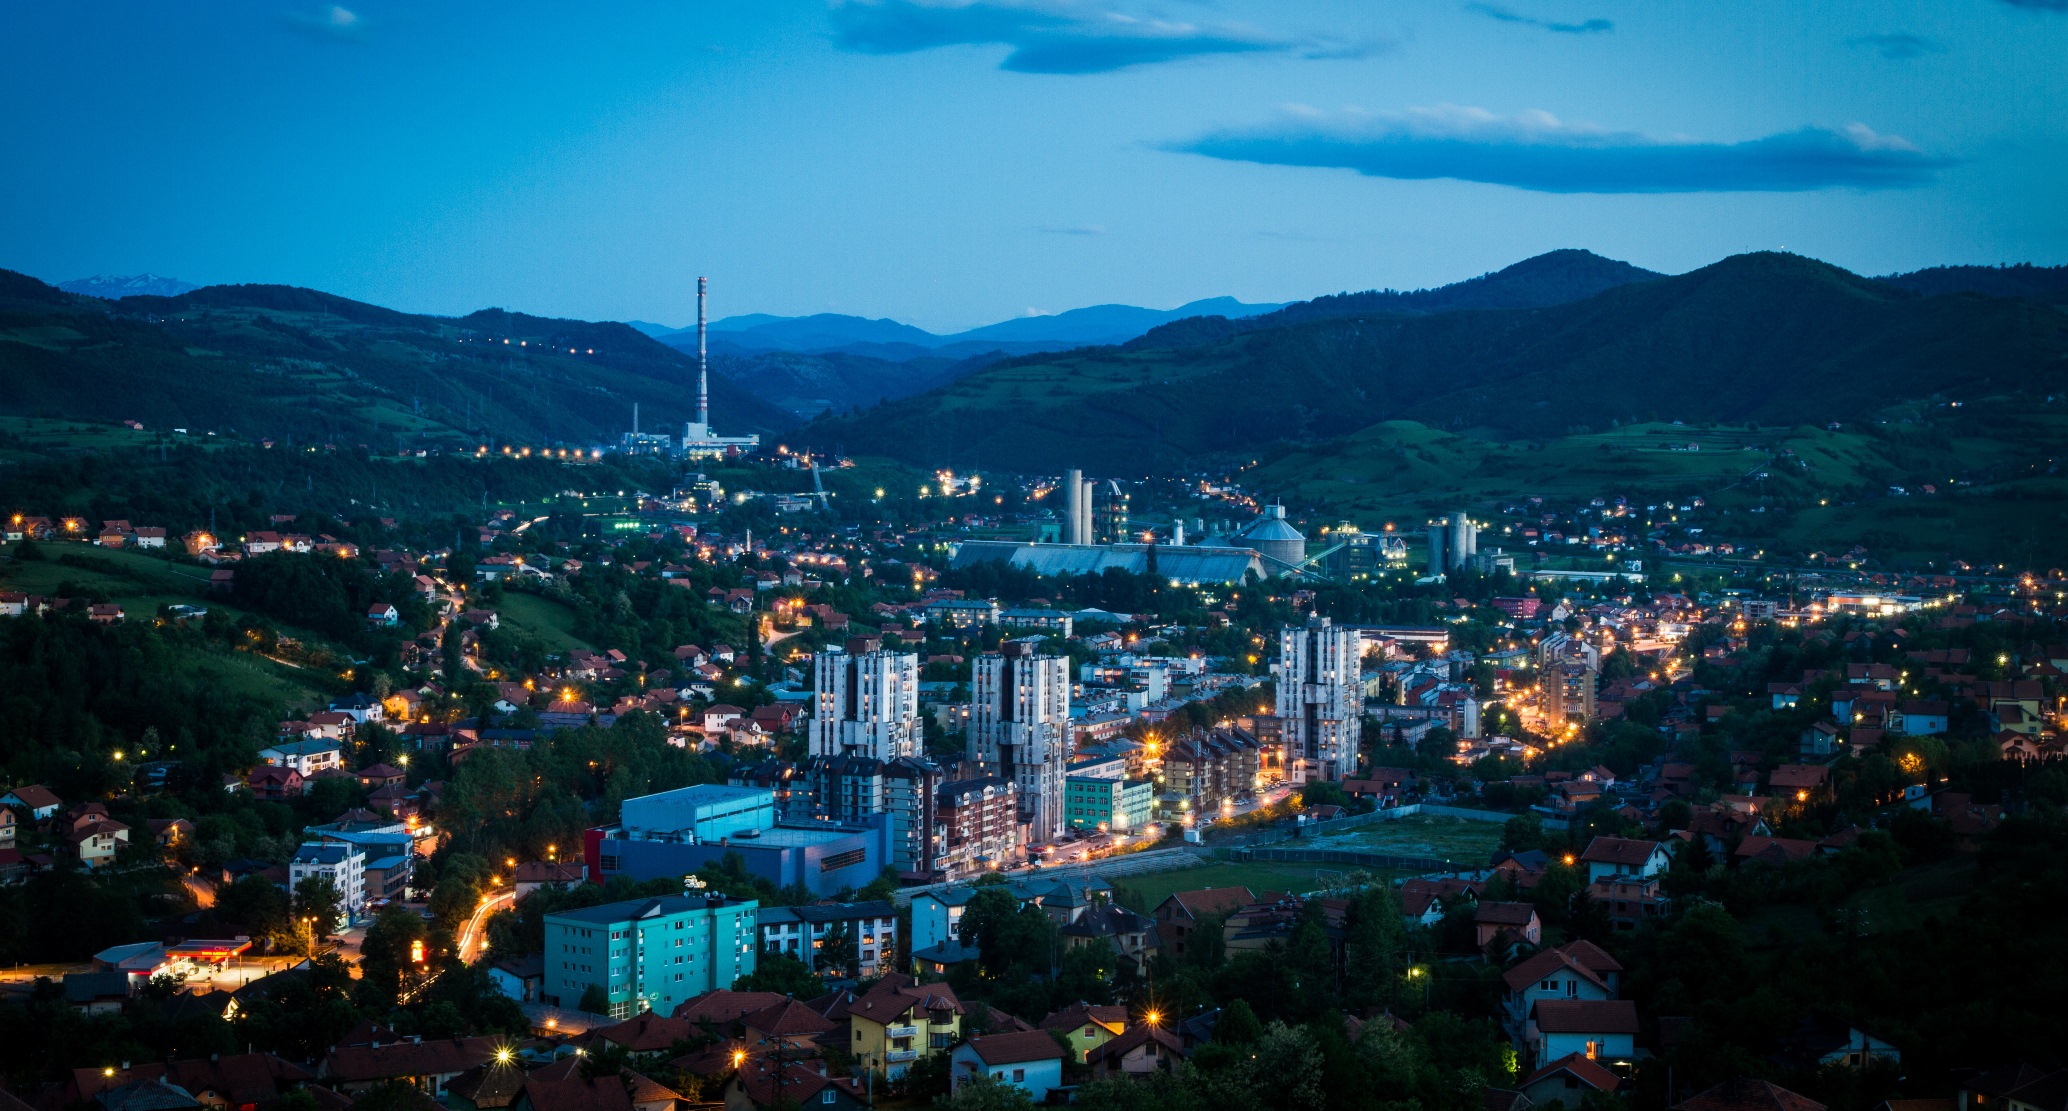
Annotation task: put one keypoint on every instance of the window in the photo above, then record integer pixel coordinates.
(1019, 1074)
(826, 1096)
(847, 859)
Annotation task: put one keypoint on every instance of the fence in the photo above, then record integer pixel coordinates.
(1472, 815)
(1126, 864)
(1347, 857)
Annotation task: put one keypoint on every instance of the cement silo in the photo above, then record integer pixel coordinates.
(1275, 538)
(1464, 540)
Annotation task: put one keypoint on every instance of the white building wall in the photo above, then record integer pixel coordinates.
(1019, 718)
(1320, 699)
(865, 704)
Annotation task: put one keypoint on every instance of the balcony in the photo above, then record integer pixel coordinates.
(901, 1056)
(901, 1031)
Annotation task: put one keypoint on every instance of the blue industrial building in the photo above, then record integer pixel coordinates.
(674, 833)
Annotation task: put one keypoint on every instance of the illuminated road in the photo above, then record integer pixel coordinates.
(202, 890)
(474, 935)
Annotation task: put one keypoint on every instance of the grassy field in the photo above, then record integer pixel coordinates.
(1406, 470)
(1455, 839)
(1155, 887)
(262, 677)
(1926, 891)
(42, 433)
(140, 584)
(543, 618)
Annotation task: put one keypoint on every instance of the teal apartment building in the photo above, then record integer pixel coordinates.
(1120, 805)
(648, 954)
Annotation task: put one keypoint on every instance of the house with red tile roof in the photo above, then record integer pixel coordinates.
(427, 1063)
(722, 1009)
(1600, 1030)
(1746, 1094)
(1517, 920)
(1141, 1050)
(1566, 1082)
(1087, 1027)
(1029, 1060)
(1623, 856)
(901, 1020)
(1576, 970)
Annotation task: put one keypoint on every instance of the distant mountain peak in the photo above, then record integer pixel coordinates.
(112, 288)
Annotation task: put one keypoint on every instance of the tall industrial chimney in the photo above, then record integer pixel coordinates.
(703, 366)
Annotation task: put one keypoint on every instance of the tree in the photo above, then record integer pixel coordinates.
(594, 1000)
(390, 955)
(1282, 1072)
(1312, 964)
(781, 972)
(316, 899)
(1086, 972)
(1206, 946)
(982, 1093)
(255, 903)
(1690, 867)
(1005, 934)
(1374, 941)
(839, 951)
(1237, 1025)
(460, 884)
(1522, 833)
(925, 1080)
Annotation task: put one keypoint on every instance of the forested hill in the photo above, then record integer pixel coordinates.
(1552, 278)
(300, 365)
(1762, 337)
(2046, 284)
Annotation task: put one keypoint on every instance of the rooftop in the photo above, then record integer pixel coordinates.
(634, 909)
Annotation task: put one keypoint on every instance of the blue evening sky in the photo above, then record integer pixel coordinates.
(951, 164)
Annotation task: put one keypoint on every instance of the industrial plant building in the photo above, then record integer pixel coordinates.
(698, 441)
(1452, 543)
(674, 833)
(1191, 565)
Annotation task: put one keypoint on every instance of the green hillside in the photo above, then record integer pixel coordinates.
(1766, 338)
(1978, 481)
(301, 366)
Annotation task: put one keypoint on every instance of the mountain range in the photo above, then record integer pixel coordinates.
(303, 366)
(1554, 344)
(1563, 341)
(892, 341)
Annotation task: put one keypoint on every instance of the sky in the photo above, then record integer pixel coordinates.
(951, 163)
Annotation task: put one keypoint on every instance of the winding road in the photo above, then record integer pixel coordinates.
(473, 937)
